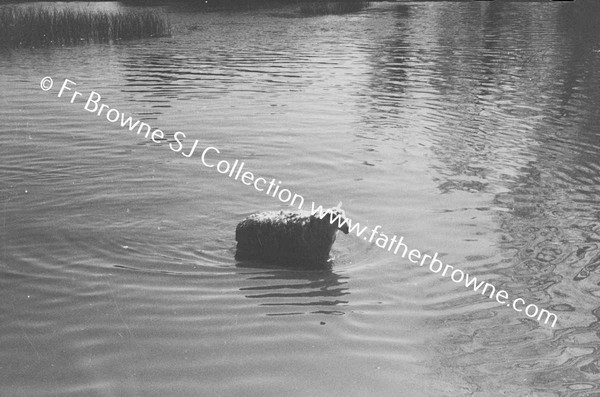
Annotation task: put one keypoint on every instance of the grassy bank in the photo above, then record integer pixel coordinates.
(37, 27)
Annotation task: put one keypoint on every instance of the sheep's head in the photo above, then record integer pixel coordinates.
(337, 219)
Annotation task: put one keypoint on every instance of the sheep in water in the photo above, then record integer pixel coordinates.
(287, 237)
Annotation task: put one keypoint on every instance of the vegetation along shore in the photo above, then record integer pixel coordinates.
(32, 26)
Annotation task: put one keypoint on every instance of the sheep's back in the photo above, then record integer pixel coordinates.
(284, 237)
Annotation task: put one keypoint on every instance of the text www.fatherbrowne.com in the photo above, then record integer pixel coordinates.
(272, 187)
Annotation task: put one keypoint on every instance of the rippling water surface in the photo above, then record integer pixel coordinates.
(471, 129)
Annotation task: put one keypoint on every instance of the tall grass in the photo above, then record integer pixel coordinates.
(332, 7)
(37, 27)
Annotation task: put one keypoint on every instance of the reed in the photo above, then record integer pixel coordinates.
(37, 27)
(332, 7)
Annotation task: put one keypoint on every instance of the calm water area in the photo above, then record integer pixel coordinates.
(471, 129)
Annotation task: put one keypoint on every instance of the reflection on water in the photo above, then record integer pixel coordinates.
(527, 138)
(317, 291)
(469, 128)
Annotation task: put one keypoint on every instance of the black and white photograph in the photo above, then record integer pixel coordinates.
(328, 198)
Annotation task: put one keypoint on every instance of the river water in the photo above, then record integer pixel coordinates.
(471, 129)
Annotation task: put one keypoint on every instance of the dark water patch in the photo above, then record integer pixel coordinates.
(311, 8)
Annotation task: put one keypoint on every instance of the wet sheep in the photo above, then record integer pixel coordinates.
(289, 237)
